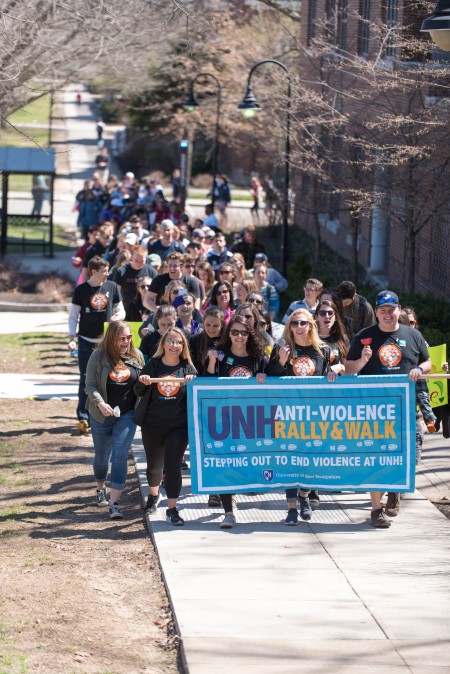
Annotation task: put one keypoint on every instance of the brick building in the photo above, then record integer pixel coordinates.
(402, 234)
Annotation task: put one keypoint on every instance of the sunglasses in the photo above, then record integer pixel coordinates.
(324, 312)
(125, 339)
(253, 300)
(174, 342)
(309, 290)
(296, 324)
(225, 271)
(235, 333)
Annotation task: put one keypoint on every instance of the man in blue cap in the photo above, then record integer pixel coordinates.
(389, 348)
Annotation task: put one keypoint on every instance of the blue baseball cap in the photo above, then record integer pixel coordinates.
(387, 298)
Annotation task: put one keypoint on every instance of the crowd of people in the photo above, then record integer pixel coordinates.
(206, 308)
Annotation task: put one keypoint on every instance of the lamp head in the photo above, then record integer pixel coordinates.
(191, 102)
(438, 25)
(249, 106)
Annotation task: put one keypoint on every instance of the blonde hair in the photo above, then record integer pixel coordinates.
(313, 334)
(185, 354)
(169, 287)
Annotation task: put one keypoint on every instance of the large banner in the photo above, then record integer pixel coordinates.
(357, 433)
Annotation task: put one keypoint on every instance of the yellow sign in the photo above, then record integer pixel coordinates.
(438, 387)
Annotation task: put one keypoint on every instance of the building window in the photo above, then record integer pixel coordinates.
(390, 12)
(311, 28)
(342, 24)
(364, 28)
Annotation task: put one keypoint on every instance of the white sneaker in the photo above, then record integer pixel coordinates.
(228, 522)
(114, 512)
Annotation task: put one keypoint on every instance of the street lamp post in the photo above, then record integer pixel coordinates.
(190, 104)
(249, 106)
(438, 25)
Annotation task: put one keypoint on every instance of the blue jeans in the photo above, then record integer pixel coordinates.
(112, 440)
(85, 350)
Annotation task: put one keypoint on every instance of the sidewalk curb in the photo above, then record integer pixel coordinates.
(12, 306)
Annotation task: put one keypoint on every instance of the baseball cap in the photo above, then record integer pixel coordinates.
(154, 260)
(117, 202)
(261, 257)
(131, 239)
(387, 297)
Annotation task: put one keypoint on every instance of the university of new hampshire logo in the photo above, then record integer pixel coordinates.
(268, 475)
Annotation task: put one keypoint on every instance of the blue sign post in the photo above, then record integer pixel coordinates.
(357, 433)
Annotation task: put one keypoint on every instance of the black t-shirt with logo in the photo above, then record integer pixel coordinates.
(96, 304)
(160, 283)
(195, 347)
(119, 387)
(168, 402)
(237, 366)
(336, 355)
(127, 277)
(149, 344)
(395, 352)
(306, 361)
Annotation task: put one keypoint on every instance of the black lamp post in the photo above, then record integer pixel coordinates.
(438, 25)
(190, 104)
(249, 106)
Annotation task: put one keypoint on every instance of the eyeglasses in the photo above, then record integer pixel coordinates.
(225, 271)
(188, 264)
(253, 300)
(235, 333)
(174, 342)
(296, 324)
(324, 312)
(308, 289)
(125, 339)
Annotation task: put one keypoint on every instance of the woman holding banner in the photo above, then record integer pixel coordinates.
(162, 414)
(240, 353)
(301, 354)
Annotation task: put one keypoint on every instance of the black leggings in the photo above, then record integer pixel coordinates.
(165, 448)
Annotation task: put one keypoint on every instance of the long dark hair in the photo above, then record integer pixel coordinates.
(255, 342)
(203, 338)
(214, 292)
(337, 331)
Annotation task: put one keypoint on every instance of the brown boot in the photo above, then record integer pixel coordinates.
(393, 504)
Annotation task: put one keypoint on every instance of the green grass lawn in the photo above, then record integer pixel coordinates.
(31, 229)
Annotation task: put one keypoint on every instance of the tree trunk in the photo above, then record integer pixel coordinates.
(410, 261)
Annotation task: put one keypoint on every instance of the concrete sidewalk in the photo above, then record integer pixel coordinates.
(332, 595)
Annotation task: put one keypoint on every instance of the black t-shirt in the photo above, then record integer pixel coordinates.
(395, 352)
(96, 249)
(164, 251)
(305, 362)
(168, 402)
(96, 307)
(127, 277)
(119, 387)
(160, 283)
(196, 347)
(149, 344)
(236, 366)
(336, 355)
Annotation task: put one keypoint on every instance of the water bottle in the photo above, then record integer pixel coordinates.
(74, 353)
